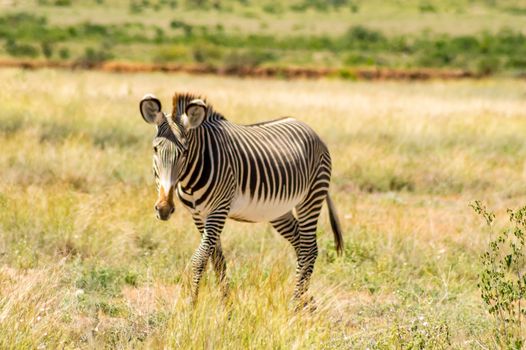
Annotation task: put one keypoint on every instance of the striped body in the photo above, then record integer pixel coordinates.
(277, 171)
(269, 168)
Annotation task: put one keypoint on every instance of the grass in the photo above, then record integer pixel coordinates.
(85, 264)
(482, 37)
(461, 17)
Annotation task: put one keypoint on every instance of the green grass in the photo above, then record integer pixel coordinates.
(478, 36)
(461, 17)
(84, 263)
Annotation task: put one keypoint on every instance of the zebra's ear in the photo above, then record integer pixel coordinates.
(151, 110)
(195, 114)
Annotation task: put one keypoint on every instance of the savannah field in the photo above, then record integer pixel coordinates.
(84, 263)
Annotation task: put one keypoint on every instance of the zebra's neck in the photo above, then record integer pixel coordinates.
(197, 165)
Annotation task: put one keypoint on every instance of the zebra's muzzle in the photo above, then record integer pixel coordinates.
(164, 205)
(164, 211)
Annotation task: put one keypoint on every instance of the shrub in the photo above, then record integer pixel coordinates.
(503, 277)
(19, 50)
(197, 3)
(159, 36)
(239, 60)
(346, 74)
(363, 38)
(323, 5)
(62, 2)
(517, 62)
(94, 30)
(338, 3)
(47, 49)
(273, 7)
(186, 28)
(93, 57)
(63, 53)
(22, 26)
(205, 53)
(426, 6)
(319, 5)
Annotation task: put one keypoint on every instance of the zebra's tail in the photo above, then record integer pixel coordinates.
(335, 225)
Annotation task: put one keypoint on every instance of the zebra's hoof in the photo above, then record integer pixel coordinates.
(305, 304)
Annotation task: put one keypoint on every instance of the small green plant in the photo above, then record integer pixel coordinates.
(502, 279)
(422, 334)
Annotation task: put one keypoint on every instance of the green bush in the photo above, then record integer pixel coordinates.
(503, 277)
(321, 5)
(238, 60)
(93, 57)
(63, 53)
(184, 27)
(273, 7)
(62, 2)
(363, 38)
(205, 53)
(47, 49)
(426, 6)
(20, 50)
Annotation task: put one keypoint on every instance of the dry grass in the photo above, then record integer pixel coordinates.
(84, 263)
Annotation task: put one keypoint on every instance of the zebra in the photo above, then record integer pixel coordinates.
(276, 171)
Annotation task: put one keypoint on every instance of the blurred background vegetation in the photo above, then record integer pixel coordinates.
(478, 36)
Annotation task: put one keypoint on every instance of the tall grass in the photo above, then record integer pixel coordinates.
(84, 263)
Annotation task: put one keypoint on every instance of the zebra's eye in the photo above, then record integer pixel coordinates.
(155, 149)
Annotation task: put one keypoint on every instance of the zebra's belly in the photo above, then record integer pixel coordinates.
(244, 208)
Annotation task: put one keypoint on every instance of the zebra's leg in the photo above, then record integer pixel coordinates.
(209, 239)
(287, 226)
(198, 222)
(217, 257)
(308, 213)
(219, 264)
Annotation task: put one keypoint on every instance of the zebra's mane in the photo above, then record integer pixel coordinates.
(181, 100)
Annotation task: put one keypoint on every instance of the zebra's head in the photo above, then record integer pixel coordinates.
(170, 145)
